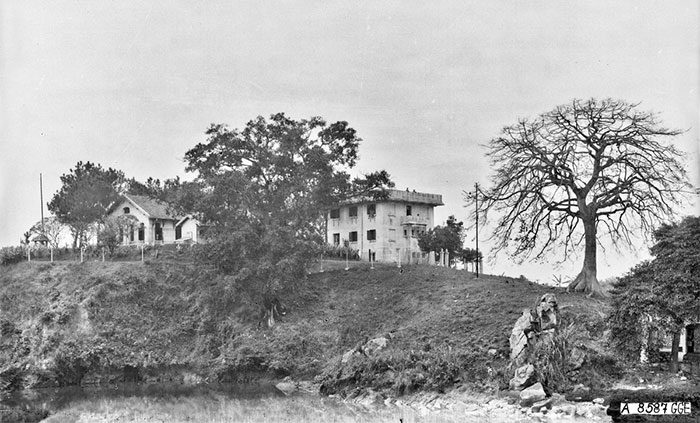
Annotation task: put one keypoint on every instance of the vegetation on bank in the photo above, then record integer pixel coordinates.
(174, 320)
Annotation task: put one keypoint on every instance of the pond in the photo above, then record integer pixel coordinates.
(220, 403)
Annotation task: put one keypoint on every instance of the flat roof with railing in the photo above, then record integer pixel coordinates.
(404, 197)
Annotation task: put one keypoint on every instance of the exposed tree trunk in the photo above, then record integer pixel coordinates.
(674, 351)
(587, 280)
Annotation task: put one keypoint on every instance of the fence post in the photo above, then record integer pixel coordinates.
(399, 254)
(371, 262)
(103, 254)
(142, 253)
(81, 253)
(51, 250)
(29, 254)
(321, 261)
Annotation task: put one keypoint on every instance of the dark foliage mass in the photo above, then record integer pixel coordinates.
(584, 172)
(264, 189)
(86, 194)
(659, 296)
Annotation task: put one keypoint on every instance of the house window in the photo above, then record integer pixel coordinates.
(353, 236)
(335, 214)
(121, 234)
(353, 211)
(126, 210)
(371, 210)
(159, 232)
(142, 231)
(131, 234)
(336, 239)
(178, 231)
(371, 235)
(408, 210)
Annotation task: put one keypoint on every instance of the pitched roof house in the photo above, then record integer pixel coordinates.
(151, 222)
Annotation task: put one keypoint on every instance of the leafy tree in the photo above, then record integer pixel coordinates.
(470, 255)
(111, 230)
(87, 192)
(52, 230)
(448, 237)
(264, 191)
(663, 293)
(581, 173)
(165, 191)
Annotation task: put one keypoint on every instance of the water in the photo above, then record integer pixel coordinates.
(133, 402)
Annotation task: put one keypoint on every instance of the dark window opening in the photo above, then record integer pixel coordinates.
(121, 234)
(131, 233)
(408, 210)
(335, 213)
(178, 232)
(159, 232)
(127, 210)
(353, 211)
(142, 231)
(371, 210)
(353, 236)
(336, 239)
(371, 235)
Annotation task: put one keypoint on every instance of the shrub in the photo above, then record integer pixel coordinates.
(12, 255)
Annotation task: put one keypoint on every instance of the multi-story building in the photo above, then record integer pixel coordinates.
(387, 229)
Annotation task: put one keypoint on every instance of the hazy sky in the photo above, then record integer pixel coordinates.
(133, 85)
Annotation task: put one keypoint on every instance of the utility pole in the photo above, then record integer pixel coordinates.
(475, 196)
(41, 198)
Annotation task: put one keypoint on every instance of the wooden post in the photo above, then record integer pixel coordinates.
(399, 253)
(371, 262)
(142, 260)
(51, 250)
(103, 254)
(321, 261)
(29, 254)
(81, 253)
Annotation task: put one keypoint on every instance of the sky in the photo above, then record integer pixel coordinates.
(133, 85)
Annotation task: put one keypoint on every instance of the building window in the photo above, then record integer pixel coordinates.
(408, 211)
(142, 231)
(371, 210)
(336, 239)
(127, 210)
(335, 214)
(159, 232)
(131, 233)
(371, 235)
(178, 231)
(353, 236)
(353, 211)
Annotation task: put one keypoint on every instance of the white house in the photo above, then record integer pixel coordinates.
(386, 229)
(153, 223)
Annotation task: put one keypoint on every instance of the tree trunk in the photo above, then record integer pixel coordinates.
(587, 280)
(674, 351)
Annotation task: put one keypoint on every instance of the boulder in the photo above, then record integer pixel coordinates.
(375, 345)
(540, 405)
(531, 395)
(524, 376)
(287, 387)
(576, 358)
(518, 338)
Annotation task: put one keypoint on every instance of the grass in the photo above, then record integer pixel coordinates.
(68, 323)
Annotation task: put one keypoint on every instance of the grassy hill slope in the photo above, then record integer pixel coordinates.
(70, 323)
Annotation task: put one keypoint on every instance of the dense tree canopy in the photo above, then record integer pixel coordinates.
(86, 194)
(662, 294)
(265, 189)
(448, 237)
(582, 173)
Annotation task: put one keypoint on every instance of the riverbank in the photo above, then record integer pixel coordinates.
(171, 321)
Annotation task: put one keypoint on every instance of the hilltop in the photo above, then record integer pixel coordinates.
(173, 320)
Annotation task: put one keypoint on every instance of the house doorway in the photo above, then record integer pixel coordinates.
(692, 333)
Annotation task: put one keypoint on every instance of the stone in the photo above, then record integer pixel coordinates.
(598, 401)
(576, 358)
(287, 388)
(543, 320)
(375, 345)
(531, 395)
(493, 351)
(524, 376)
(540, 405)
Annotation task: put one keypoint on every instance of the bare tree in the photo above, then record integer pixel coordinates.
(585, 172)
